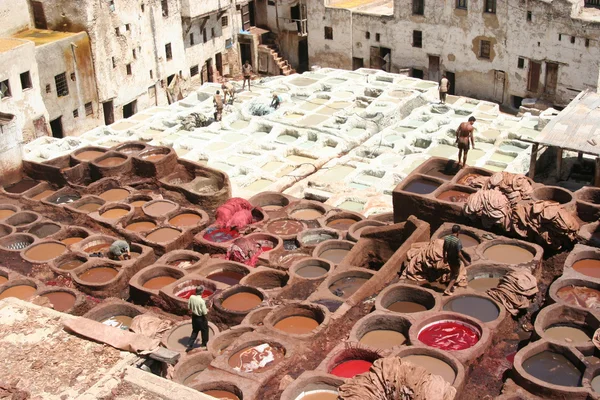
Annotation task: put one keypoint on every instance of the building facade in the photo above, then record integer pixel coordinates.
(502, 51)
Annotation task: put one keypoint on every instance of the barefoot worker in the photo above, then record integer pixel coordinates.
(464, 134)
(453, 256)
(197, 305)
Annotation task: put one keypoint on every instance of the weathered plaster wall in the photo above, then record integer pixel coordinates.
(14, 16)
(11, 139)
(336, 53)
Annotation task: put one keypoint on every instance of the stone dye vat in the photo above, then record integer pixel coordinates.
(99, 275)
(449, 335)
(242, 301)
(297, 319)
(588, 266)
(112, 195)
(177, 338)
(508, 254)
(44, 252)
(311, 268)
(576, 293)
(351, 368)
(432, 364)
(379, 330)
(553, 368)
(333, 250)
(479, 307)
(61, 300)
(346, 284)
(348, 362)
(256, 358)
(407, 299)
(22, 291)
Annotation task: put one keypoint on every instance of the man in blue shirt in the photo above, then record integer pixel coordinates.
(276, 102)
(197, 306)
(453, 256)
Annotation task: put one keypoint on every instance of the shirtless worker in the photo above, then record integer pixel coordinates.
(218, 102)
(228, 90)
(444, 87)
(453, 256)
(247, 72)
(464, 135)
(197, 306)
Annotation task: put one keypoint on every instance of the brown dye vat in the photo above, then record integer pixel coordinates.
(334, 255)
(320, 395)
(114, 195)
(99, 275)
(97, 247)
(307, 213)
(6, 213)
(114, 213)
(596, 384)
(467, 179)
(89, 207)
(383, 339)
(179, 338)
(297, 325)
(311, 271)
(23, 292)
(568, 334)
(44, 230)
(72, 240)
(483, 284)
(141, 226)
(341, 224)
(89, 155)
(138, 203)
(154, 157)
(62, 301)
(227, 277)
(407, 307)
(242, 301)
(467, 240)
(122, 322)
(112, 161)
(43, 195)
(581, 296)
(163, 235)
(271, 208)
(346, 287)
(421, 186)
(454, 196)
(3, 279)
(508, 254)
(253, 358)
(285, 227)
(434, 365)
(553, 368)
(187, 381)
(186, 219)
(160, 208)
(221, 394)
(69, 265)
(481, 308)
(21, 186)
(45, 251)
(159, 282)
(588, 267)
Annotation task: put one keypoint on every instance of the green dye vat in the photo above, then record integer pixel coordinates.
(504, 158)
(336, 173)
(352, 206)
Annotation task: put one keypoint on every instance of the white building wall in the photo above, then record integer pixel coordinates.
(14, 16)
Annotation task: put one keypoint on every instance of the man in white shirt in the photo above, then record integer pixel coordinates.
(197, 306)
(444, 87)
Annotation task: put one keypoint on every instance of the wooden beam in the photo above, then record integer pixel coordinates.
(559, 159)
(597, 173)
(533, 160)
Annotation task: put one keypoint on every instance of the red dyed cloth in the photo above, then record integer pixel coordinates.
(245, 251)
(187, 293)
(447, 335)
(235, 212)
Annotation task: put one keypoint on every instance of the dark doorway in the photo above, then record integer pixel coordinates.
(303, 55)
(551, 78)
(533, 80)
(251, 8)
(130, 109)
(209, 70)
(109, 113)
(170, 79)
(452, 82)
(295, 15)
(246, 52)
(380, 58)
(417, 73)
(219, 63)
(357, 63)
(204, 74)
(434, 69)
(56, 127)
(39, 17)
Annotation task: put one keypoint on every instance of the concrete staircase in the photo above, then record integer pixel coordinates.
(284, 67)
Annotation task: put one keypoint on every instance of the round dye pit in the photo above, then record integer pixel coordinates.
(160, 208)
(383, 339)
(596, 384)
(318, 395)
(114, 195)
(89, 155)
(154, 157)
(241, 302)
(189, 291)
(588, 267)
(341, 224)
(227, 277)
(122, 322)
(484, 283)
(45, 251)
(314, 237)
(163, 235)
(220, 235)
(254, 359)
(433, 365)
(306, 213)
(346, 287)
(312, 271)
(111, 161)
(185, 219)
(297, 325)
(99, 275)
(141, 226)
(72, 240)
(44, 230)
(138, 203)
(3, 279)
(158, 282)
(421, 186)
(335, 255)
(581, 296)
(553, 368)
(97, 247)
(221, 394)
(406, 307)
(480, 308)
(568, 334)
(180, 336)
(23, 292)
(449, 335)
(114, 213)
(468, 240)
(454, 196)
(508, 254)
(65, 198)
(6, 213)
(71, 264)
(89, 207)
(285, 227)
(351, 368)
(61, 301)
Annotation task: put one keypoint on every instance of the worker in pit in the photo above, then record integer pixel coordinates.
(197, 306)
(464, 135)
(276, 102)
(452, 254)
(119, 251)
(228, 89)
(218, 101)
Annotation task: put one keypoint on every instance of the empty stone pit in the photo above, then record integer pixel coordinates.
(267, 279)
(44, 251)
(553, 193)
(298, 320)
(6, 230)
(44, 229)
(20, 288)
(341, 221)
(313, 385)
(177, 338)
(355, 231)
(238, 301)
(227, 273)
(116, 313)
(17, 242)
(151, 279)
(567, 326)
(310, 238)
(23, 220)
(407, 299)
(478, 306)
(345, 284)
(159, 208)
(333, 251)
(188, 368)
(437, 362)
(381, 331)
(512, 252)
(87, 204)
(311, 269)
(63, 299)
(269, 354)
(578, 293)
(348, 362)
(40, 192)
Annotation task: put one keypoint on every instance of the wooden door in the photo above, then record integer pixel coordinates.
(375, 62)
(357, 63)
(434, 69)
(533, 80)
(499, 83)
(39, 17)
(551, 78)
(246, 17)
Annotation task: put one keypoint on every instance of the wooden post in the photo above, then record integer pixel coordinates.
(533, 160)
(580, 157)
(597, 173)
(559, 154)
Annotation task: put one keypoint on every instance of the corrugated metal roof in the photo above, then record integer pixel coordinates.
(575, 128)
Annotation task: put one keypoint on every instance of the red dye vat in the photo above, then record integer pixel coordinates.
(220, 235)
(266, 248)
(448, 335)
(349, 369)
(186, 294)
